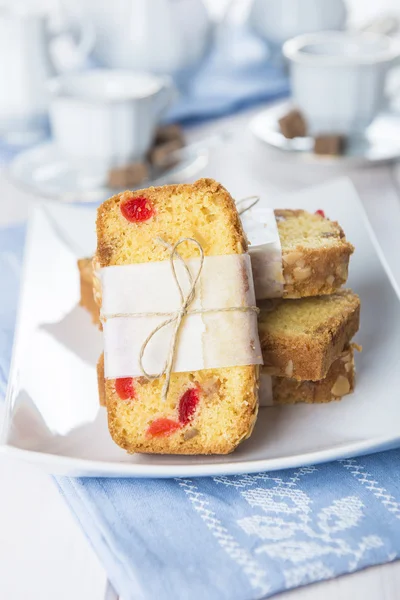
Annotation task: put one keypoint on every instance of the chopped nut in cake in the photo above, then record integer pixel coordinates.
(315, 253)
(338, 382)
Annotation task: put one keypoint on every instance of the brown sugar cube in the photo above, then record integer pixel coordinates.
(293, 125)
(163, 155)
(128, 176)
(167, 133)
(329, 145)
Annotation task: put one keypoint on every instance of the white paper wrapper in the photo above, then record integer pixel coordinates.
(265, 390)
(217, 340)
(265, 251)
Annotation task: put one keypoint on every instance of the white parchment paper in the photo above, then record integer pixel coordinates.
(217, 340)
(265, 251)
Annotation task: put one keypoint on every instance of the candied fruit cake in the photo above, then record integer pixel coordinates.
(301, 338)
(339, 382)
(315, 253)
(207, 411)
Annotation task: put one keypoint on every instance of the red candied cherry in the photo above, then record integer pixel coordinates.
(320, 213)
(124, 388)
(162, 427)
(137, 210)
(188, 404)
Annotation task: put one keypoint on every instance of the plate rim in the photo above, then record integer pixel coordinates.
(199, 159)
(88, 467)
(80, 466)
(307, 157)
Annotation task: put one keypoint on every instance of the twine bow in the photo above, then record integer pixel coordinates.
(176, 317)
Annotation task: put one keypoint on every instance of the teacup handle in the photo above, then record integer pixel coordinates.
(165, 97)
(68, 55)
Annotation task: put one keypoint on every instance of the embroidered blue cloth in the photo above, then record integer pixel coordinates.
(226, 538)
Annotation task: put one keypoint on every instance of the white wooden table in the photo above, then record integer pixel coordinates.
(43, 553)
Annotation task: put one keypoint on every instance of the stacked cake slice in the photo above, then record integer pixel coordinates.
(305, 336)
(315, 253)
(307, 350)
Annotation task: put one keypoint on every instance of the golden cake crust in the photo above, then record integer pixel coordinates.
(87, 300)
(101, 380)
(339, 382)
(315, 253)
(301, 338)
(228, 403)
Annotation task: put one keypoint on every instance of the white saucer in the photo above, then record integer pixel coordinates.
(381, 143)
(52, 412)
(44, 172)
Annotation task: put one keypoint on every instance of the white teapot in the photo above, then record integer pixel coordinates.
(29, 56)
(279, 20)
(160, 36)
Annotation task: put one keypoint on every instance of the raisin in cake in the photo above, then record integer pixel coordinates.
(208, 411)
(315, 253)
(301, 338)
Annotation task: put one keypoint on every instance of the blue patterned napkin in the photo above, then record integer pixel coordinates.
(235, 538)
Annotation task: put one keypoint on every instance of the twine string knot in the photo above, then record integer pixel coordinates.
(177, 316)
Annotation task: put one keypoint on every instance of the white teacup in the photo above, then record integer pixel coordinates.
(338, 78)
(107, 118)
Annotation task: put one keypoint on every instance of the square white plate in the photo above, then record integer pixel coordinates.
(52, 413)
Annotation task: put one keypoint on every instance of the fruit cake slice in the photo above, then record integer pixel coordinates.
(87, 300)
(315, 253)
(339, 382)
(207, 411)
(301, 338)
